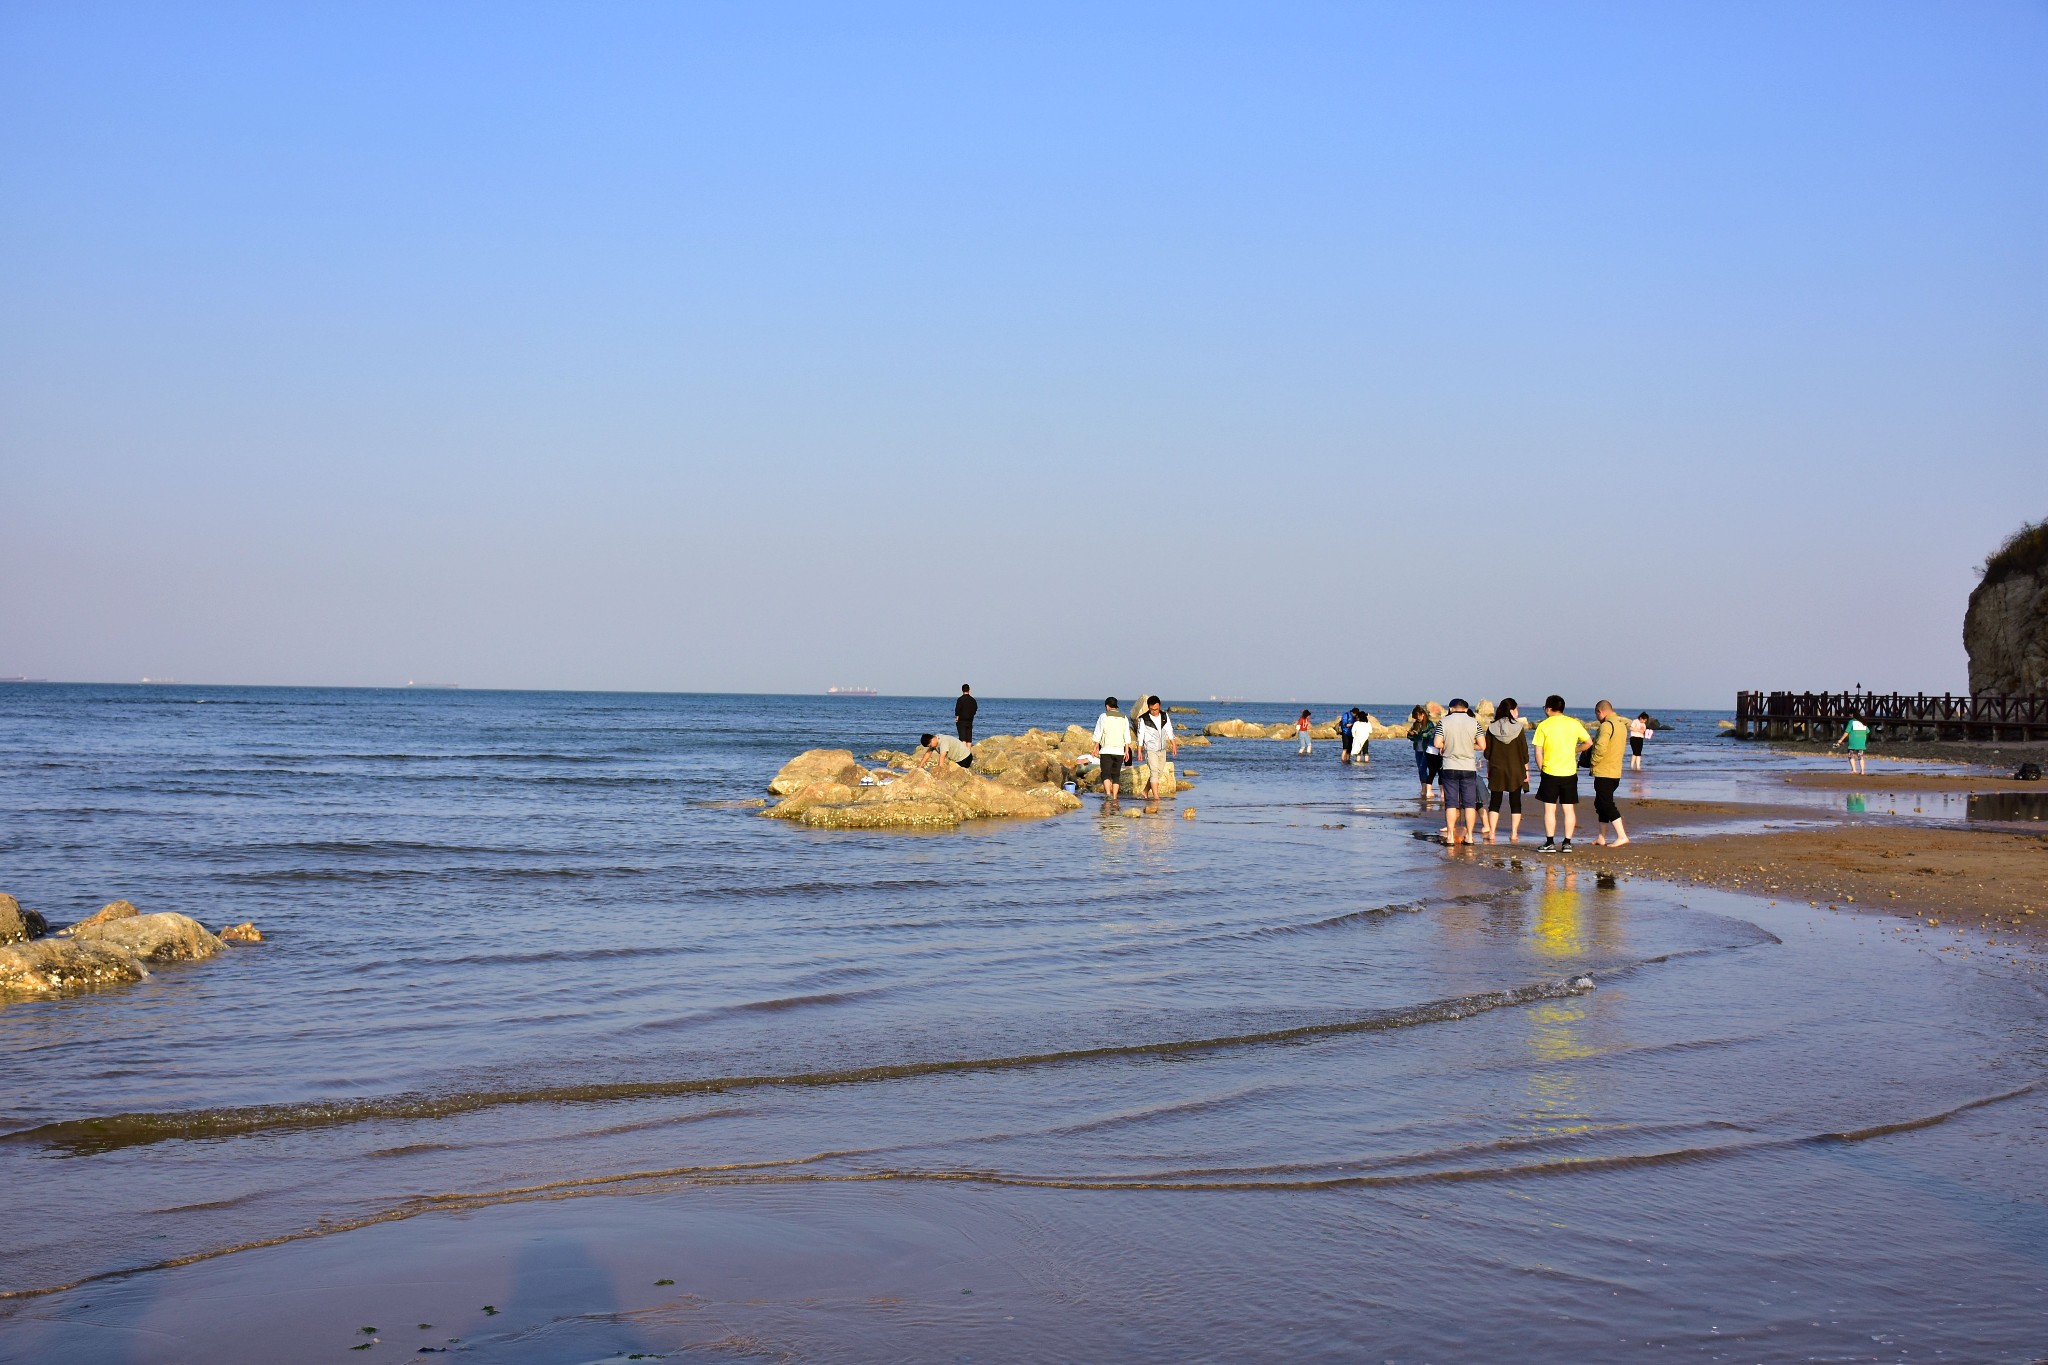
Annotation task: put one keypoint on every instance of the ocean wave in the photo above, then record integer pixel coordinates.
(81, 1137)
(793, 1170)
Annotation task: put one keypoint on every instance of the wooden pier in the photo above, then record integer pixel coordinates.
(1890, 715)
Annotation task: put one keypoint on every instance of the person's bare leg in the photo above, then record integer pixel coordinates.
(1620, 835)
(1549, 822)
(1492, 823)
(1514, 827)
(1571, 820)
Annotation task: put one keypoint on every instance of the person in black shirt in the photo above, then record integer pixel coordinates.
(963, 714)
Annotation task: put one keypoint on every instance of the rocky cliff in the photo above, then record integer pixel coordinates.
(2005, 629)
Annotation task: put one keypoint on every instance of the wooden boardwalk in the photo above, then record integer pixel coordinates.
(1890, 715)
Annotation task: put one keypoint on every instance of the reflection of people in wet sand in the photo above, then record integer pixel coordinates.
(1856, 735)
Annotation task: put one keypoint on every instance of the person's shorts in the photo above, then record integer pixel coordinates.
(1112, 768)
(1558, 791)
(1635, 745)
(1461, 789)
(1856, 746)
(967, 762)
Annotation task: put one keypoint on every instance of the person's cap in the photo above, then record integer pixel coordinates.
(1457, 702)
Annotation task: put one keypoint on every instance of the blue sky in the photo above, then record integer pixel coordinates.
(1307, 350)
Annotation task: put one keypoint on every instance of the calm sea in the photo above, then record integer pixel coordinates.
(540, 1021)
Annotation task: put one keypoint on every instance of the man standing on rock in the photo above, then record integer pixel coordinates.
(1112, 747)
(945, 747)
(1161, 745)
(963, 714)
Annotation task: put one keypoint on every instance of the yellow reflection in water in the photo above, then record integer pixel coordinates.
(1560, 914)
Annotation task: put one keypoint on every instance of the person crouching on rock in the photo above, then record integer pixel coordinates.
(1113, 748)
(943, 747)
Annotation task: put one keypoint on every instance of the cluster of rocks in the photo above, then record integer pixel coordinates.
(1014, 777)
(106, 948)
(1251, 729)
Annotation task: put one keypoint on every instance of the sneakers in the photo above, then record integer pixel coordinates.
(1567, 847)
(1546, 847)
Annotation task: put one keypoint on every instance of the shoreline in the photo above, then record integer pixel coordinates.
(1991, 877)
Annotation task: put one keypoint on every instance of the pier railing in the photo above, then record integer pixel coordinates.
(1890, 715)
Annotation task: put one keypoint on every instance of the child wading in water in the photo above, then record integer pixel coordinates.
(1301, 728)
(1856, 734)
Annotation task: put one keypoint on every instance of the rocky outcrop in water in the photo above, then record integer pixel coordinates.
(2005, 628)
(108, 947)
(18, 925)
(941, 798)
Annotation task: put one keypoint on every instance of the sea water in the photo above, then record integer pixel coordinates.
(543, 1017)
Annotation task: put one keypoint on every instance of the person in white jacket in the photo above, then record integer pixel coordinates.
(1112, 748)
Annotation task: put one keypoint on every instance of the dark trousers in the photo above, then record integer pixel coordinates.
(965, 725)
(1603, 799)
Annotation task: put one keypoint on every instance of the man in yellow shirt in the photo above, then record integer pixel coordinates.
(1558, 742)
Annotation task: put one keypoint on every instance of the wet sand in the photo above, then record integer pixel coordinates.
(1893, 780)
(1992, 878)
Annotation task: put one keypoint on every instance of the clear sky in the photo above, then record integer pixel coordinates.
(1319, 350)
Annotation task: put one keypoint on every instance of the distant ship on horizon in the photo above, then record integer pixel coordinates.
(851, 692)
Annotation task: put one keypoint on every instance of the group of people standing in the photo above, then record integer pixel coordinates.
(1449, 749)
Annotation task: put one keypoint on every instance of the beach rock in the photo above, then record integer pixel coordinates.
(816, 765)
(245, 932)
(18, 925)
(54, 966)
(937, 799)
(163, 937)
(2005, 628)
(112, 910)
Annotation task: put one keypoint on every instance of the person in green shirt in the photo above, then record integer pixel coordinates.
(1856, 735)
(1558, 741)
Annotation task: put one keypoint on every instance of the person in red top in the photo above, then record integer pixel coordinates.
(1301, 728)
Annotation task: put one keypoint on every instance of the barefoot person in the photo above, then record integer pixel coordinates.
(1610, 748)
(1856, 735)
(1507, 768)
(1160, 745)
(1361, 734)
(1113, 748)
(1558, 742)
(945, 748)
(1301, 728)
(963, 714)
(1638, 732)
(1457, 740)
(1345, 720)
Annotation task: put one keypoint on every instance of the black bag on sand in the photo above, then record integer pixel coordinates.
(2028, 772)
